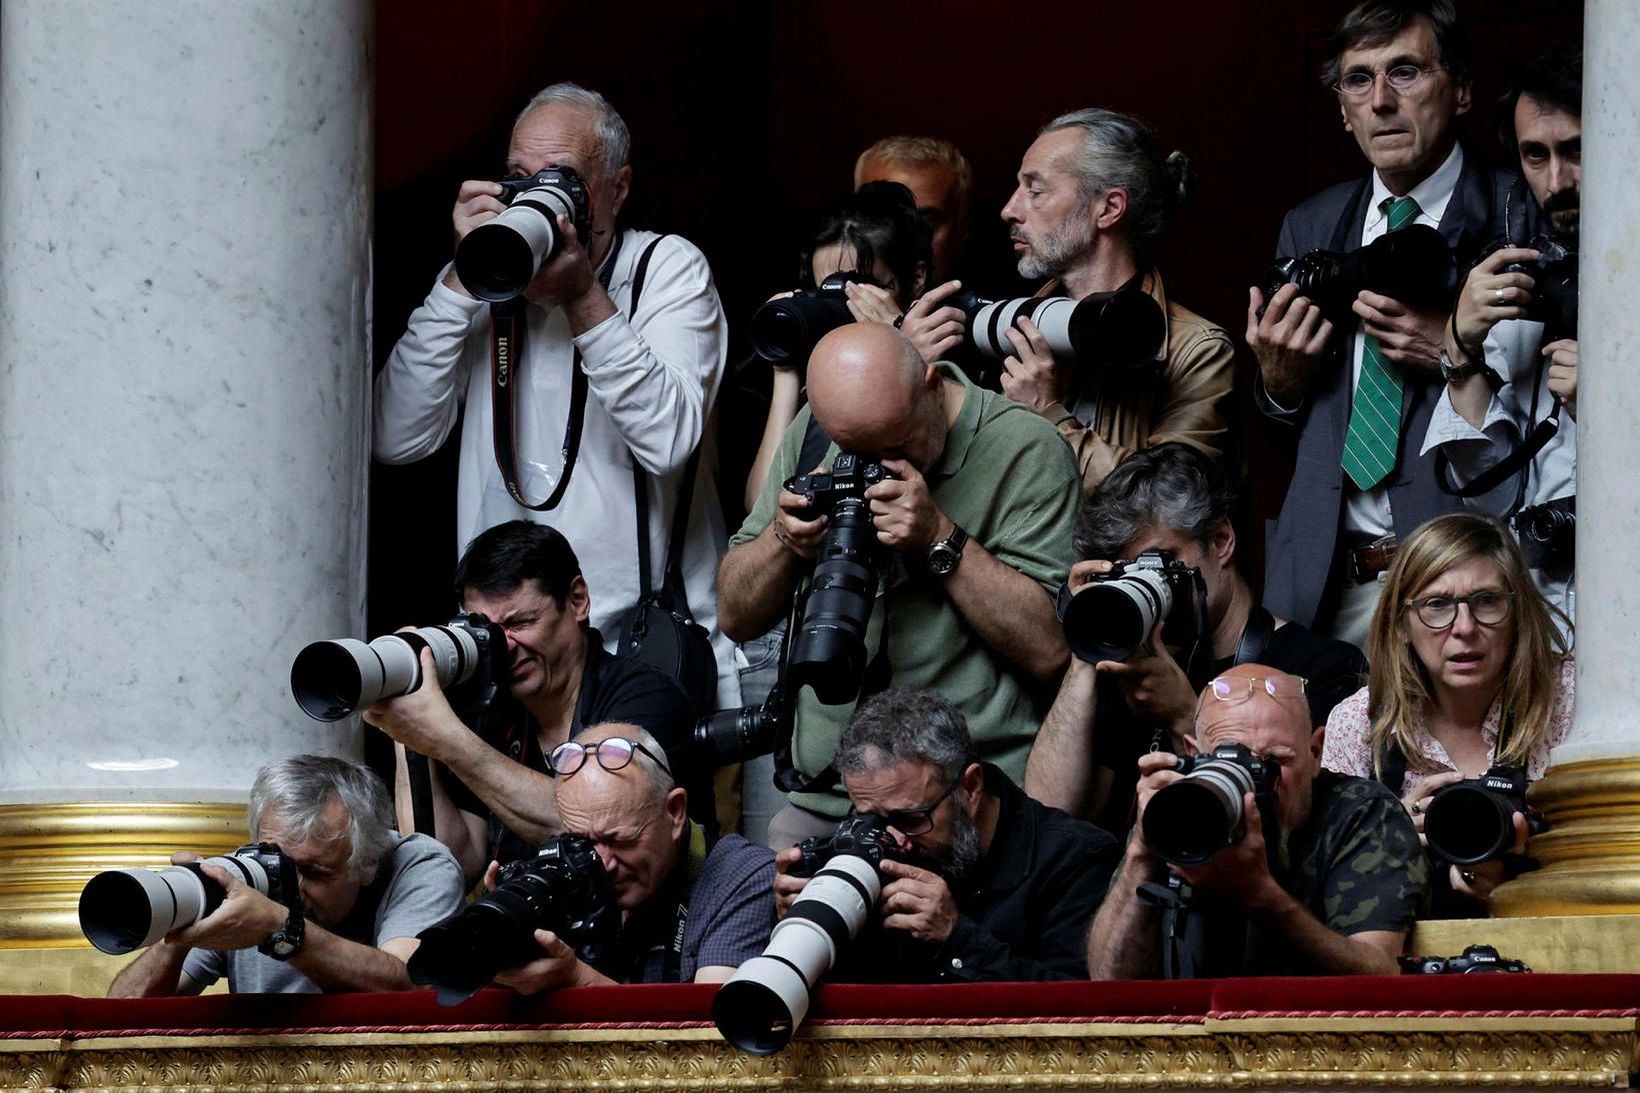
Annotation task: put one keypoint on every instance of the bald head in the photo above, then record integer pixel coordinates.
(873, 393)
(1252, 707)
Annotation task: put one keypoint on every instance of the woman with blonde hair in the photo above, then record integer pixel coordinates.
(1468, 671)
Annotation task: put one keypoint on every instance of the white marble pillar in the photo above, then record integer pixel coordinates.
(185, 199)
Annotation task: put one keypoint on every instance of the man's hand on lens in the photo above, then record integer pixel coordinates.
(244, 919)
(1157, 690)
(1490, 295)
(796, 529)
(787, 887)
(422, 720)
(903, 510)
(1407, 336)
(870, 303)
(933, 329)
(1031, 376)
(917, 901)
(1562, 356)
(1417, 802)
(1156, 769)
(478, 200)
(1241, 871)
(1288, 341)
(567, 275)
(557, 967)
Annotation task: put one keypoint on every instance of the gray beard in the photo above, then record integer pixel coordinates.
(958, 857)
(1057, 251)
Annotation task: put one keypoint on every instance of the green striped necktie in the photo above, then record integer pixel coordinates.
(1375, 415)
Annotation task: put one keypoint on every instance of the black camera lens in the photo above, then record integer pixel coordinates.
(1467, 823)
(829, 649)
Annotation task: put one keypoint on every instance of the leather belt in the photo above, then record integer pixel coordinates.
(1367, 562)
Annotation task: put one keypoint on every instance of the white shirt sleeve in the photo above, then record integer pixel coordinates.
(419, 391)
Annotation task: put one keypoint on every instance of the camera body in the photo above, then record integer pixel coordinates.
(1121, 330)
(865, 837)
(1554, 285)
(1473, 820)
(332, 679)
(828, 651)
(1111, 619)
(1188, 821)
(563, 889)
(499, 258)
(1413, 265)
(788, 328)
(122, 910)
(1475, 958)
(1548, 532)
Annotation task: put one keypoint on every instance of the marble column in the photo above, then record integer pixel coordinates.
(185, 201)
(1591, 795)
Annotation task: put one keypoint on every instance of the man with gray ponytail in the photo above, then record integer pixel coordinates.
(366, 892)
(1094, 193)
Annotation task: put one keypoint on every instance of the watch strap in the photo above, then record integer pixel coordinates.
(944, 555)
(286, 942)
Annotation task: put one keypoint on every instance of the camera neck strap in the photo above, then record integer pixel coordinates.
(1255, 636)
(509, 323)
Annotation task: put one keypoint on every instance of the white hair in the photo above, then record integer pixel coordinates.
(614, 140)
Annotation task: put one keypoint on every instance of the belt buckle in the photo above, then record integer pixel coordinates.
(1359, 571)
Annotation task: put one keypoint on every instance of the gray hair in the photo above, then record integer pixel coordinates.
(1172, 485)
(902, 724)
(658, 776)
(1119, 152)
(297, 791)
(614, 140)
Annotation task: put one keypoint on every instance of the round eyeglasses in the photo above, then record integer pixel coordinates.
(1401, 78)
(1488, 607)
(613, 753)
(1241, 688)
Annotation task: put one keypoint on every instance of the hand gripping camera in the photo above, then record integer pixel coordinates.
(1120, 330)
(1473, 820)
(563, 889)
(1413, 265)
(1189, 821)
(761, 1005)
(1554, 284)
(497, 259)
(788, 328)
(829, 650)
(1111, 619)
(122, 910)
(332, 679)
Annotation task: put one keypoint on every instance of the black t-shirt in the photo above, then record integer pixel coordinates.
(1334, 670)
(613, 688)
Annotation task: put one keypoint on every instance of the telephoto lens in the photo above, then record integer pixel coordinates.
(1119, 330)
(1188, 821)
(123, 910)
(331, 679)
(499, 258)
(733, 736)
(789, 328)
(1473, 820)
(763, 1003)
(1111, 618)
(563, 889)
(1413, 265)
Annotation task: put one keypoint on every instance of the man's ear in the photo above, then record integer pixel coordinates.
(579, 601)
(1221, 544)
(620, 188)
(677, 810)
(1465, 96)
(1317, 739)
(973, 779)
(1109, 208)
(1191, 747)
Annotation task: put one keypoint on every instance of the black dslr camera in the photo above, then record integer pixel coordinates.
(1111, 619)
(497, 259)
(864, 837)
(1473, 820)
(828, 652)
(790, 327)
(1413, 265)
(563, 889)
(1554, 284)
(1475, 958)
(1548, 532)
(1189, 821)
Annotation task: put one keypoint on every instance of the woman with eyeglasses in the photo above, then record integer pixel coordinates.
(1468, 671)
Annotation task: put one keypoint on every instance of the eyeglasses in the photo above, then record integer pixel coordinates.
(1488, 607)
(1401, 79)
(613, 753)
(1241, 688)
(916, 821)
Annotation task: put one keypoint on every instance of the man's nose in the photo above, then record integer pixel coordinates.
(1383, 96)
(1008, 213)
(1563, 175)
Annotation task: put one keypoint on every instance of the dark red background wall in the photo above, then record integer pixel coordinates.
(747, 116)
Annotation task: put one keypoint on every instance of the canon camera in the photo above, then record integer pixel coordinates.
(497, 259)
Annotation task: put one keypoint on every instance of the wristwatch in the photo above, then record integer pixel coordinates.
(1452, 372)
(286, 941)
(944, 555)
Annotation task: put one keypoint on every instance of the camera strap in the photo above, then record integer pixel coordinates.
(1255, 636)
(1173, 900)
(509, 322)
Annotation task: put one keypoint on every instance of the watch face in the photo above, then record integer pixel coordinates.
(284, 949)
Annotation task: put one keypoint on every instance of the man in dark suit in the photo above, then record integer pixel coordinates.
(1358, 388)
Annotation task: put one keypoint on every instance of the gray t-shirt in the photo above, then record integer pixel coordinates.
(418, 885)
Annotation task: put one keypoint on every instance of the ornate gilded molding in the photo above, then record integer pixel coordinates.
(1351, 1052)
(49, 851)
(1591, 852)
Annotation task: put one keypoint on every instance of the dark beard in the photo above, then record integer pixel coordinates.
(958, 857)
(1560, 212)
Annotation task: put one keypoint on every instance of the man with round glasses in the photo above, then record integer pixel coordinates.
(693, 908)
(1358, 387)
(990, 886)
(1328, 884)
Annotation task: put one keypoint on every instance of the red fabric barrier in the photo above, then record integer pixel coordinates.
(690, 1005)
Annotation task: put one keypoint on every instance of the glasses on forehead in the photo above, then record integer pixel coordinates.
(1241, 688)
(1400, 78)
(1487, 607)
(916, 821)
(613, 753)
